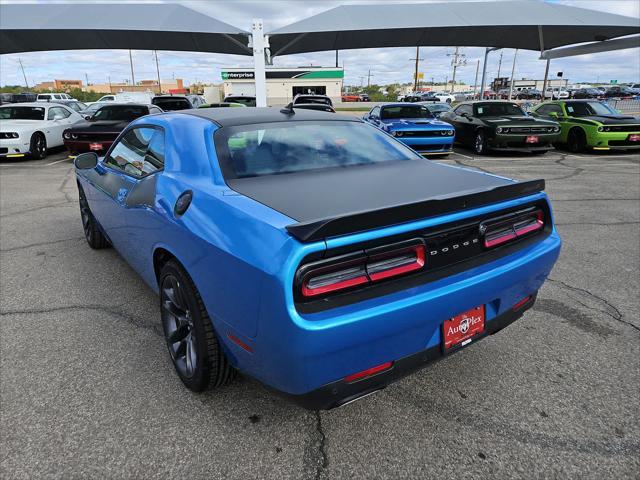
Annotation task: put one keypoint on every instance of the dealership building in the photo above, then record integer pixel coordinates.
(285, 83)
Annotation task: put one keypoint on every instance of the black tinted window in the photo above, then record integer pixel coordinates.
(139, 152)
(169, 104)
(408, 111)
(120, 112)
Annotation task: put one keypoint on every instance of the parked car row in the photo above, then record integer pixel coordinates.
(496, 125)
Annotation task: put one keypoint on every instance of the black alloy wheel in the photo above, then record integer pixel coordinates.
(480, 143)
(94, 236)
(577, 140)
(38, 146)
(193, 345)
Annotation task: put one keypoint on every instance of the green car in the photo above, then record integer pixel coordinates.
(590, 124)
(502, 126)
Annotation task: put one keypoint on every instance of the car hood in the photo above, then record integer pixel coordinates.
(416, 124)
(612, 119)
(508, 120)
(101, 126)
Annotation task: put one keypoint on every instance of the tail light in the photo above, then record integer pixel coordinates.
(342, 273)
(368, 372)
(500, 231)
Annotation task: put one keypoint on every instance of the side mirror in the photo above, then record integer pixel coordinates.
(86, 161)
(57, 117)
(87, 117)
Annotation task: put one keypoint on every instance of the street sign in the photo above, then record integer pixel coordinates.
(614, 81)
(420, 75)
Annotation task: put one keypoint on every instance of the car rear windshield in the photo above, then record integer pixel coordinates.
(289, 147)
(584, 109)
(497, 109)
(247, 101)
(313, 99)
(405, 111)
(170, 104)
(22, 113)
(120, 112)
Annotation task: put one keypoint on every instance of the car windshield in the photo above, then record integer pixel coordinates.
(289, 147)
(497, 109)
(169, 104)
(438, 108)
(120, 112)
(93, 107)
(22, 113)
(405, 111)
(248, 101)
(311, 99)
(584, 109)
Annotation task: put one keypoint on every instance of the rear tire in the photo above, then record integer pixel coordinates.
(576, 140)
(480, 143)
(93, 234)
(38, 146)
(193, 345)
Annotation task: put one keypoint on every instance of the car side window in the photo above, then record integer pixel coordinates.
(153, 110)
(463, 109)
(53, 111)
(547, 109)
(375, 112)
(140, 152)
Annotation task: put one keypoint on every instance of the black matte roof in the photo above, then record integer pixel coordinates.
(228, 117)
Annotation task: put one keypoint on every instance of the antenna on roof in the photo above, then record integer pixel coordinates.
(288, 110)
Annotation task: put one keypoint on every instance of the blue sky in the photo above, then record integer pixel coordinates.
(387, 65)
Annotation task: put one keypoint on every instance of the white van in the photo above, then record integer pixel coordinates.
(134, 97)
(48, 97)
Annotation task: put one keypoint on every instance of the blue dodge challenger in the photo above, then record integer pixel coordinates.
(314, 253)
(414, 125)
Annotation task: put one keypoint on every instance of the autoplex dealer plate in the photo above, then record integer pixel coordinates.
(460, 329)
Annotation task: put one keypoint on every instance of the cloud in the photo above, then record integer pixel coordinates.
(386, 65)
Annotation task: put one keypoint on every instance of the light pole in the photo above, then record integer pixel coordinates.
(513, 69)
(484, 70)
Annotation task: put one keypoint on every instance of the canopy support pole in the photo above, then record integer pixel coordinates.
(546, 77)
(513, 71)
(258, 44)
(484, 70)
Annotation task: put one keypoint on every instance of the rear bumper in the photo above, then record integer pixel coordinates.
(336, 394)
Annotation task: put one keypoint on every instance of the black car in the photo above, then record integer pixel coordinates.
(97, 134)
(172, 102)
(527, 94)
(17, 97)
(500, 125)
(319, 107)
(246, 100)
(586, 93)
(618, 92)
(312, 99)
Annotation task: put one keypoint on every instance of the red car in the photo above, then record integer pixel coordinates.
(351, 98)
(101, 130)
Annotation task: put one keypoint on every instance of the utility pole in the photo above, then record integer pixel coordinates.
(23, 74)
(369, 79)
(415, 75)
(513, 69)
(158, 72)
(500, 64)
(458, 60)
(475, 82)
(133, 78)
(86, 77)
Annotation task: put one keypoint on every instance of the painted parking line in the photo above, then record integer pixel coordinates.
(57, 161)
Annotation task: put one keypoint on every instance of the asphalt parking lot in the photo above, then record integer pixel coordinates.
(87, 389)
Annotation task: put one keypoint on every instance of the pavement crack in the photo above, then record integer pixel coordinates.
(610, 309)
(322, 460)
(40, 244)
(35, 209)
(462, 164)
(114, 310)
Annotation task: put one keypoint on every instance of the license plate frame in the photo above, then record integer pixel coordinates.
(634, 137)
(532, 139)
(460, 330)
(94, 146)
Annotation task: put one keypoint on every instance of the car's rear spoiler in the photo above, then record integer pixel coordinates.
(361, 221)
